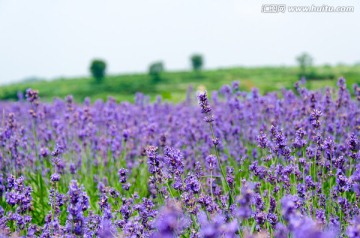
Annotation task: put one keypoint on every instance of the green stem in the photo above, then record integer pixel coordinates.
(217, 153)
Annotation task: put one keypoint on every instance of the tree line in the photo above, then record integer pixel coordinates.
(98, 68)
(155, 70)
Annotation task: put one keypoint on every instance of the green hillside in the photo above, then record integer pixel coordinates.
(173, 85)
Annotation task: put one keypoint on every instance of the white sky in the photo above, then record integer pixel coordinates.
(53, 38)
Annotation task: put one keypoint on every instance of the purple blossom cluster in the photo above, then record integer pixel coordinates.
(239, 165)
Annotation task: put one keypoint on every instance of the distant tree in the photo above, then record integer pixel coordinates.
(197, 62)
(305, 61)
(327, 66)
(98, 69)
(155, 70)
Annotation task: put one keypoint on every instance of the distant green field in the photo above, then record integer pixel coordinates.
(173, 85)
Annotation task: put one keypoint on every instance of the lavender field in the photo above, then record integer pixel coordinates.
(219, 164)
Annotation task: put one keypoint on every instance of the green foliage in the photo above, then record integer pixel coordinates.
(305, 61)
(98, 70)
(173, 85)
(197, 62)
(155, 70)
(40, 183)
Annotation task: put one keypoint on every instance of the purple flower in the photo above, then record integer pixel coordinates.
(314, 118)
(192, 184)
(353, 230)
(262, 140)
(281, 231)
(205, 107)
(305, 227)
(289, 206)
(55, 177)
(79, 202)
(32, 95)
(272, 219)
(353, 143)
(211, 161)
(122, 175)
(320, 216)
(153, 159)
(244, 202)
(174, 160)
(230, 179)
(170, 221)
(216, 227)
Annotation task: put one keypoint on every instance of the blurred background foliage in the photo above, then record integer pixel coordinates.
(172, 86)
